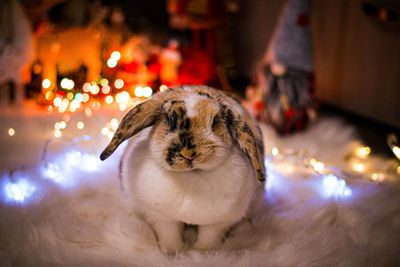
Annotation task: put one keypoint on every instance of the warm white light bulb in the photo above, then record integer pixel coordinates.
(80, 125)
(109, 99)
(114, 124)
(377, 177)
(363, 152)
(11, 132)
(57, 133)
(46, 83)
(115, 55)
(163, 88)
(111, 63)
(359, 167)
(119, 83)
(105, 131)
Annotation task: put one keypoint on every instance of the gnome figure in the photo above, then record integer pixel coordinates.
(286, 82)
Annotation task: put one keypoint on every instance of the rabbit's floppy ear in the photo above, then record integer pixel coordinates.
(138, 118)
(248, 136)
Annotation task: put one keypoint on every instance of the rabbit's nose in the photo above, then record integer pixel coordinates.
(188, 155)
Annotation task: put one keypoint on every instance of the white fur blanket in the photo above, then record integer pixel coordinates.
(79, 219)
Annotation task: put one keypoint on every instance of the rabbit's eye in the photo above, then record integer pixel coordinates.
(216, 121)
(172, 120)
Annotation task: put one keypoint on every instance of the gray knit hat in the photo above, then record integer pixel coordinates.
(290, 44)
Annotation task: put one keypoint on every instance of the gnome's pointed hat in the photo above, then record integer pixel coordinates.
(290, 44)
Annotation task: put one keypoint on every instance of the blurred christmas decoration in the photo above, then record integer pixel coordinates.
(16, 51)
(285, 78)
(87, 55)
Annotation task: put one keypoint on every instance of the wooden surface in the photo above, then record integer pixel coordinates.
(357, 60)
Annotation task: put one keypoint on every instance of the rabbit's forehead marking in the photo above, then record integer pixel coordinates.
(192, 104)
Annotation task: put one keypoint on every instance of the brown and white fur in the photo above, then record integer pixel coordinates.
(200, 163)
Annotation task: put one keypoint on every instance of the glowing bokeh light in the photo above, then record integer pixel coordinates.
(147, 91)
(119, 83)
(71, 162)
(80, 125)
(275, 151)
(103, 82)
(122, 107)
(377, 177)
(363, 152)
(143, 91)
(115, 55)
(86, 87)
(18, 191)
(85, 97)
(46, 83)
(109, 99)
(122, 98)
(82, 161)
(318, 166)
(106, 89)
(57, 126)
(138, 91)
(63, 124)
(57, 133)
(53, 172)
(114, 124)
(111, 63)
(67, 84)
(359, 167)
(94, 89)
(163, 88)
(335, 186)
(78, 97)
(74, 105)
(105, 131)
(70, 96)
(57, 101)
(11, 132)
(90, 163)
(49, 95)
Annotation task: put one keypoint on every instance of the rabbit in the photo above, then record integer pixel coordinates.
(196, 161)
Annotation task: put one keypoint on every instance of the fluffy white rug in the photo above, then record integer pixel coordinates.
(72, 212)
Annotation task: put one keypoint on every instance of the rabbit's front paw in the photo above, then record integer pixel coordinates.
(169, 234)
(170, 247)
(209, 237)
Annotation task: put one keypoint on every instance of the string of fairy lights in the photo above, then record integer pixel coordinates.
(18, 185)
(359, 165)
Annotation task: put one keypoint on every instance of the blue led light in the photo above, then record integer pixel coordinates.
(62, 171)
(53, 172)
(19, 191)
(334, 186)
